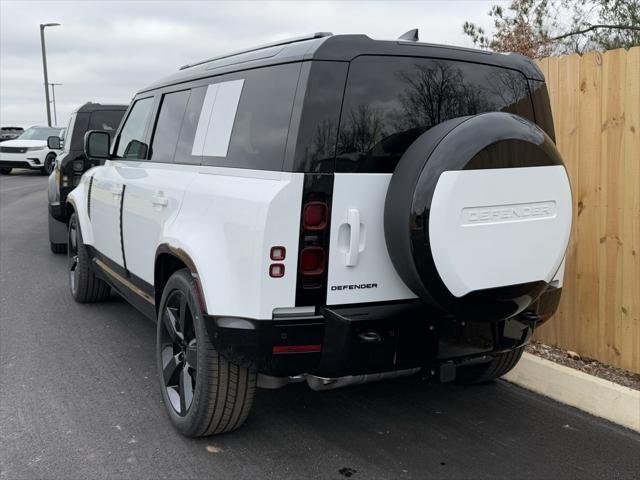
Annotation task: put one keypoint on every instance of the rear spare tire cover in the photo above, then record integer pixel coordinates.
(478, 214)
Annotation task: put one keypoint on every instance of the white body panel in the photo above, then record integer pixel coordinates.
(78, 198)
(225, 219)
(106, 194)
(498, 227)
(228, 222)
(153, 196)
(360, 262)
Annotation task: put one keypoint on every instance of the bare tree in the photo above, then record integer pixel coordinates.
(538, 28)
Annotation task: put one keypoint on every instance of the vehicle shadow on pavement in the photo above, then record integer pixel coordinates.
(412, 426)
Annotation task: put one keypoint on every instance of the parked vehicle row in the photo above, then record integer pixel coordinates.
(330, 209)
(72, 162)
(30, 150)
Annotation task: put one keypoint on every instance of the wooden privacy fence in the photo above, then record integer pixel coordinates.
(595, 100)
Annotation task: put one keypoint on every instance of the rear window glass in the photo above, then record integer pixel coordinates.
(107, 120)
(389, 102)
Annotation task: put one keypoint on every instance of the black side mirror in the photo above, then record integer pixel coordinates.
(96, 145)
(54, 143)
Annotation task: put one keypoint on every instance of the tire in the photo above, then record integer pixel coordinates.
(85, 286)
(5, 170)
(204, 393)
(58, 247)
(49, 164)
(486, 372)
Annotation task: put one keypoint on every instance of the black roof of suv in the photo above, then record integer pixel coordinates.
(325, 46)
(90, 107)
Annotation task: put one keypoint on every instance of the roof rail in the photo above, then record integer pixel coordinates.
(267, 45)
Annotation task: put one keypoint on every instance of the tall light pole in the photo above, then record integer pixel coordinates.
(44, 67)
(53, 94)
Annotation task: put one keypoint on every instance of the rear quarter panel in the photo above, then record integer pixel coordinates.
(227, 224)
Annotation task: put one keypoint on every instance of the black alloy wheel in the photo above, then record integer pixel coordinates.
(49, 164)
(85, 286)
(72, 256)
(179, 352)
(204, 392)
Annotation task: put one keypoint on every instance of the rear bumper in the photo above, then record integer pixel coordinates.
(341, 341)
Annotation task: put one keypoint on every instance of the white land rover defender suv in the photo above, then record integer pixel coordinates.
(330, 209)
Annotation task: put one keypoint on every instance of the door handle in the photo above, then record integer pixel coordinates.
(116, 191)
(353, 220)
(159, 200)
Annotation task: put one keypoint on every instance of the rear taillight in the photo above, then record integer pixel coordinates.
(313, 258)
(312, 261)
(313, 248)
(315, 215)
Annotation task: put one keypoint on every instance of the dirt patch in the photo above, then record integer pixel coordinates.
(587, 365)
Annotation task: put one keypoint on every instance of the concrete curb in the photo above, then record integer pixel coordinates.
(591, 394)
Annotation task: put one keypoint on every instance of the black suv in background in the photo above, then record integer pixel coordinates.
(72, 163)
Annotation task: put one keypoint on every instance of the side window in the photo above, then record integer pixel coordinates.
(168, 125)
(184, 149)
(244, 120)
(131, 143)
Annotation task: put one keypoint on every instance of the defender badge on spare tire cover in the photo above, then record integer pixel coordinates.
(478, 214)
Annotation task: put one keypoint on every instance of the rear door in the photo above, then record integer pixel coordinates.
(388, 103)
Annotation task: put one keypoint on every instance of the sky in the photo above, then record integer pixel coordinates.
(106, 51)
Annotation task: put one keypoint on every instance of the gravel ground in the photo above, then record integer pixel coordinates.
(587, 365)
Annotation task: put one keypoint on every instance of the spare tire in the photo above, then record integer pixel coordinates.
(478, 214)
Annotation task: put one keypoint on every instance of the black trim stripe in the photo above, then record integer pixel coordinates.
(124, 258)
(89, 197)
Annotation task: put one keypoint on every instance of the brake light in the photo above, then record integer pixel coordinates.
(315, 215)
(312, 260)
(279, 349)
(315, 225)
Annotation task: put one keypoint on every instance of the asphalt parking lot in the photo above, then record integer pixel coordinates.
(79, 399)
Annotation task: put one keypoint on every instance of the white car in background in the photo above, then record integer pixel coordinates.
(30, 151)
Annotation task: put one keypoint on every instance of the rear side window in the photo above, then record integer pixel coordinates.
(318, 130)
(244, 120)
(107, 120)
(168, 125)
(131, 144)
(390, 101)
